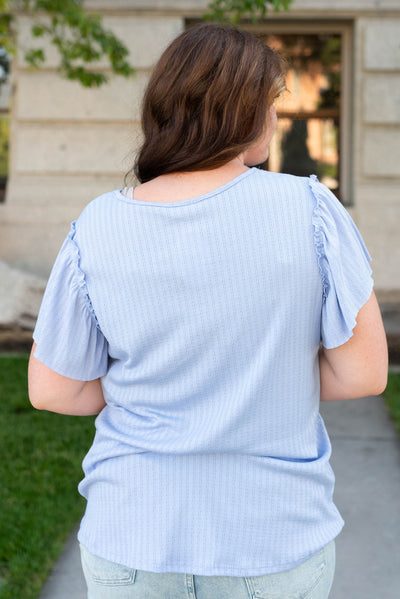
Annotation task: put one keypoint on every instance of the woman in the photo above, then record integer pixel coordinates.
(188, 314)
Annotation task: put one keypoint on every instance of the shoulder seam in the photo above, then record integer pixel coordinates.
(318, 235)
(76, 257)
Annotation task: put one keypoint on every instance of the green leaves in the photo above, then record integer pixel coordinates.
(6, 23)
(39, 30)
(35, 57)
(80, 38)
(234, 10)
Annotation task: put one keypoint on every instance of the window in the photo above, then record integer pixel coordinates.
(313, 133)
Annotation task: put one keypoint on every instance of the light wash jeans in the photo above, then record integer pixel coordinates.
(311, 580)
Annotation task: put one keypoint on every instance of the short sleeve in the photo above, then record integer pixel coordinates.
(67, 334)
(343, 261)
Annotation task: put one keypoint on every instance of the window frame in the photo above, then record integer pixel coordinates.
(345, 29)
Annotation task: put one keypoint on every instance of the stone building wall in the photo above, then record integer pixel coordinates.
(69, 144)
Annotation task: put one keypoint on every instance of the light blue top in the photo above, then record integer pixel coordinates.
(204, 317)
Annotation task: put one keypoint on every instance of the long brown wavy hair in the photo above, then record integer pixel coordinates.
(207, 100)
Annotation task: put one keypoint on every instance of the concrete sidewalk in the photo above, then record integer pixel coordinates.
(366, 462)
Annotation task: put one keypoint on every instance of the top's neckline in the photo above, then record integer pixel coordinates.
(199, 198)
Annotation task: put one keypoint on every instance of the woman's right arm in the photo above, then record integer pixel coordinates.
(359, 367)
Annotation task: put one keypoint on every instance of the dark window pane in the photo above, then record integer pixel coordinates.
(307, 137)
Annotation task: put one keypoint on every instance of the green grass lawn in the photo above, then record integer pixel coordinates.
(392, 397)
(40, 467)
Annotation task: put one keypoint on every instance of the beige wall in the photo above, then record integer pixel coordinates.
(70, 144)
(377, 143)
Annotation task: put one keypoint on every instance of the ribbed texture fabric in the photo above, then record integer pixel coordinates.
(204, 318)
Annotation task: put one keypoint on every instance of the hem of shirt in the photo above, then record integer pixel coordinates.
(181, 568)
(340, 339)
(53, 365)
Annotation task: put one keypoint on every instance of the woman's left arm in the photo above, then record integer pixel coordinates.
(51, 391)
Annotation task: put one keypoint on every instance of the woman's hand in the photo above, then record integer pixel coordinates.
(359, 367)
(51, 391)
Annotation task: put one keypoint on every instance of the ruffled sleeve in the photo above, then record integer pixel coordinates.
(343, 261)
(68, 337)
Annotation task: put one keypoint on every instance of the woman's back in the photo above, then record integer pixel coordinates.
(204, 320)
(210, 307)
